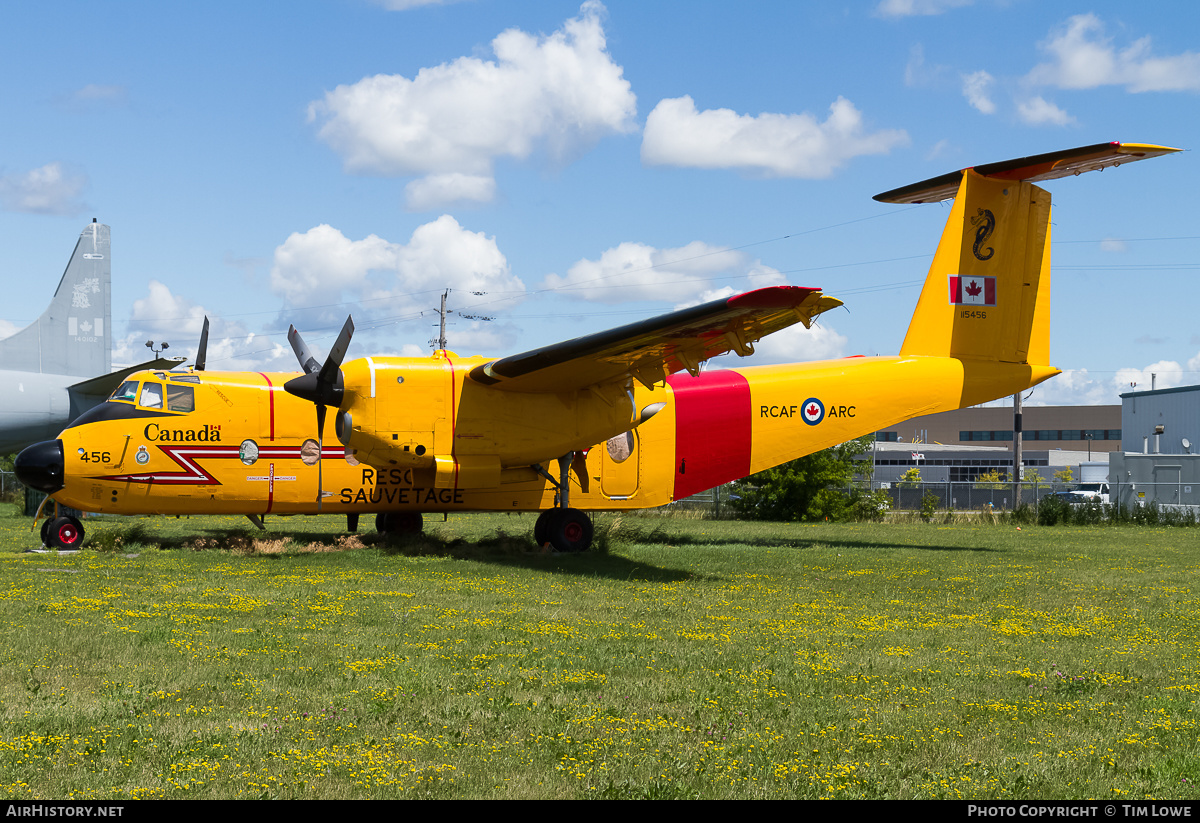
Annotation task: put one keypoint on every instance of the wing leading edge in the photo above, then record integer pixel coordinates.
(651, 350)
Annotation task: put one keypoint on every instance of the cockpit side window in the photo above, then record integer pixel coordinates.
(181, 398)
(126, 391)
(151, 396)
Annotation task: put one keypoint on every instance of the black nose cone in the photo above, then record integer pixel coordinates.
(41, 466)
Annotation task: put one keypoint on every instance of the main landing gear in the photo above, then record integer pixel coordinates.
(399, 523)
(564, 529)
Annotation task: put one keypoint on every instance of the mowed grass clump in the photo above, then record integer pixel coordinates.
(694, 659)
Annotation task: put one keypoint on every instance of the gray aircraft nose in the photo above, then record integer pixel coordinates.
(41, 466)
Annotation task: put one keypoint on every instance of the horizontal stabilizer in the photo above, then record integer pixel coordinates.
(1032, 169)
(650, 350)
(101, 387)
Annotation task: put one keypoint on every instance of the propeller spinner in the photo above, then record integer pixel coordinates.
(320, 384)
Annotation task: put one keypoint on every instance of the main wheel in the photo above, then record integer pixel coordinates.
(568, 530)
(541, 528)
(399, 523)
(65, 533)
(46, 530)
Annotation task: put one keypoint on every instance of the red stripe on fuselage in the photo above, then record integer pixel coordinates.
(712, 430)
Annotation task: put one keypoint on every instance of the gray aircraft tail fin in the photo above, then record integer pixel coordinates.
(73, 335)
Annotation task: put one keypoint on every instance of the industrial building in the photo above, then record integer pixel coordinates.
(1148, 442)
(938, 463)
(1044, 427)
(1176, 410)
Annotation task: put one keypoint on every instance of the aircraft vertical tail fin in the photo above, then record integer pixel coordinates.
(987, 295)
(73, 335)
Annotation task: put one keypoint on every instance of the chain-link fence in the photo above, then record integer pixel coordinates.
(968, 496)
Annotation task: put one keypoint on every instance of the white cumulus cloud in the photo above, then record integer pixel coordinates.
(687, 275)
(975, 89)
(51, 189)
(321, 268)
(769, 145)
(561, 92)
(164, 316)
(440, 189)
(405, 5)
(915, 8)
(1039, 112)
(1076, 387)
(794, 344)
(1083, 57)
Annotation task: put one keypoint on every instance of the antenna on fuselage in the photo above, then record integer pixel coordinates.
(202, 351)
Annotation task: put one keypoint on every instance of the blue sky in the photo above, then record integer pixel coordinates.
(587, 165)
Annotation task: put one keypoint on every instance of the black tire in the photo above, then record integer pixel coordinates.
(46, 531)
(541, 528)
(570, 530)
(66, 534)
(399, 523)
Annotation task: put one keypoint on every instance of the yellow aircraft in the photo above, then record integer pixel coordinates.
(628, 416)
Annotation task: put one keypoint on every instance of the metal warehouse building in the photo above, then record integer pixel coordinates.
(1176, 410)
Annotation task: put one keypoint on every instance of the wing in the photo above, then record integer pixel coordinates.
(1038, 167)
(650, 350)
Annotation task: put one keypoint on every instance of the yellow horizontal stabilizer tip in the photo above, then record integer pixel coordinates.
(1049, 166)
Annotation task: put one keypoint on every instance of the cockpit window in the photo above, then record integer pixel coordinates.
(151, 396)
(126, 391)
(181, 398)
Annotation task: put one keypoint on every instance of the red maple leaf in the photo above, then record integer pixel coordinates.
(973, 289)
(812, 410)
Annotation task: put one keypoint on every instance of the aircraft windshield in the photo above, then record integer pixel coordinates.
(126, 391)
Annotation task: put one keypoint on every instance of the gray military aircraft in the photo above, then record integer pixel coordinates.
(61, 364)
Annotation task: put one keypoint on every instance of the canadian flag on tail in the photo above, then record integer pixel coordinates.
(972, 291)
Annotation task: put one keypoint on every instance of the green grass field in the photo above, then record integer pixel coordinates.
(694, 659)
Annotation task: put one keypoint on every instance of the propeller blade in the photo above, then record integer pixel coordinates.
(320, 453)
(338, 352)
(321, 384)
(308, 363)
(202, 352)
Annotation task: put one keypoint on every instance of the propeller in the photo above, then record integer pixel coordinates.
(320, 384)
(202, 352)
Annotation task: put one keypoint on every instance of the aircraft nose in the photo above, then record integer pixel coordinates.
(41, 466)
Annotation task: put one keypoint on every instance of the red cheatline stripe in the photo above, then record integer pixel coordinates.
(712, 430)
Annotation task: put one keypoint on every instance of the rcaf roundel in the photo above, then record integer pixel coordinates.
(813, 411)
(972, 291)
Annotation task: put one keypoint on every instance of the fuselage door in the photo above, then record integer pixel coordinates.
(619, 461)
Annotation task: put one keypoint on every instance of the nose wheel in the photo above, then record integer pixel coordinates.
(62, 533)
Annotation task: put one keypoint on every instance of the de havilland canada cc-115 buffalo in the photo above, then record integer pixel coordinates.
(627, 415)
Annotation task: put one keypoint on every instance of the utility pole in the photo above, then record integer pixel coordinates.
(441, 343)
(1017, 450)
